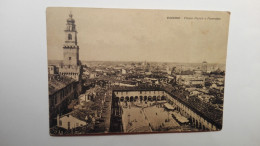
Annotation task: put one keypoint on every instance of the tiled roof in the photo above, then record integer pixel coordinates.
(57, 82)
(206, 110)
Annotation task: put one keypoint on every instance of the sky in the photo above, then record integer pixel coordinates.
(141, 35)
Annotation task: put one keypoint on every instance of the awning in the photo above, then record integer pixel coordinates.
(168, 106)
(180, 118)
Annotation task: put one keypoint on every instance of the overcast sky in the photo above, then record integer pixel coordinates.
(140, 35)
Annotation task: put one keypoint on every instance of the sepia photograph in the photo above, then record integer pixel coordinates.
(135, 71)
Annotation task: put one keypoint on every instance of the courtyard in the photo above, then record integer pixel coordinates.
(147, 117)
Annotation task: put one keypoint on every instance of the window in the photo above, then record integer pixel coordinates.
(60, 122)
(68, 125)
(69, 58)
(69, 37)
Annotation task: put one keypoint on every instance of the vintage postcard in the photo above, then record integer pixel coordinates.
(125, 71)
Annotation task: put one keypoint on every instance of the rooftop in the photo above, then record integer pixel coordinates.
(206, 110)
(77, 114)
(57, 82)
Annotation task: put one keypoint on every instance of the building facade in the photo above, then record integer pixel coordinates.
(62, 90)
(52, 69)
(68, 122)
(204, 67)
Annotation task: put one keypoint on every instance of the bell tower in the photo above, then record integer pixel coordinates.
(70, 48)
(71, 65)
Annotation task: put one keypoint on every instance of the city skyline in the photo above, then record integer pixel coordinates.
(139, 88)
(156, 61)
(137, 40)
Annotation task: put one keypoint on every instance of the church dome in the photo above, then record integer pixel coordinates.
(70, 19)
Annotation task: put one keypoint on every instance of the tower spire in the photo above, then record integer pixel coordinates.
(70, 15)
